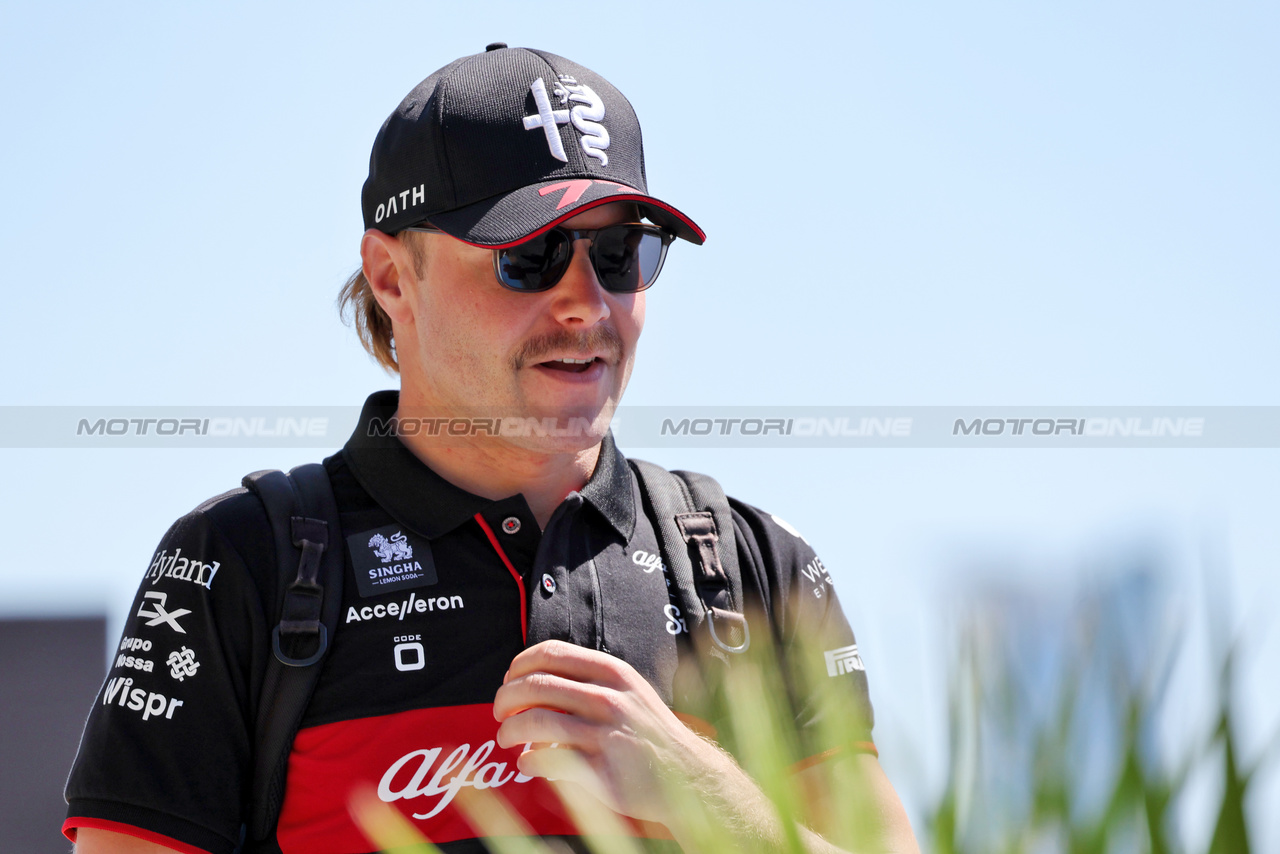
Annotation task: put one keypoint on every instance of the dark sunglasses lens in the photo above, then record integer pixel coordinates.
(628, 258)
(536, 264)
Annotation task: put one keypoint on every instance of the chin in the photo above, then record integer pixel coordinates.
(559, 432)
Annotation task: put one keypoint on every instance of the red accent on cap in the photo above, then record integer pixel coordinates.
(630, 196)
(573, 191)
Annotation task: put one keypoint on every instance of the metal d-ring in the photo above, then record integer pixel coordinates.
(746, 633)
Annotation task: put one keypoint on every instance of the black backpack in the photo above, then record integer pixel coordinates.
(694, 526)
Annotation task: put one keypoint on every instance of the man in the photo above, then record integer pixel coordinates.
(506, 624)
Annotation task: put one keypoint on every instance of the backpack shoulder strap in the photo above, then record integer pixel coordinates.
(695, 527)
(307, 534)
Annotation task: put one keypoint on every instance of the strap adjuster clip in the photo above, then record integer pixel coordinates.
(300, 662)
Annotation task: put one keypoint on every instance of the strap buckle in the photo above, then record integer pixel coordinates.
(738, 624)
(300, 662)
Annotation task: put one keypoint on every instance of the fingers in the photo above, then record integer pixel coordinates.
(572, 662)
(543, 726)
(547, 691)
(561, 764)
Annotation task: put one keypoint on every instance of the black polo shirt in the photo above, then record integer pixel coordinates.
(443, 589)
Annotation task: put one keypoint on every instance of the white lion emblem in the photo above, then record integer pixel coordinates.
(396, 548)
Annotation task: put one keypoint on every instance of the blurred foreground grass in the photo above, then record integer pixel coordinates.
(1055, 720)
(1053, 748)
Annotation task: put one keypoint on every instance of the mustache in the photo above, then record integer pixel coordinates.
(602, 339)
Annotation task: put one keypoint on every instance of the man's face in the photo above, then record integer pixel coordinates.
(486, 350)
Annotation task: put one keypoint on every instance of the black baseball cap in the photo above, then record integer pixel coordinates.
(500, 146)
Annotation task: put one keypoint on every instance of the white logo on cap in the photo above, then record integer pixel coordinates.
(585, 116)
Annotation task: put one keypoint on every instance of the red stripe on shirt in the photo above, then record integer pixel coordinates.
(74, 823)
(524, 605)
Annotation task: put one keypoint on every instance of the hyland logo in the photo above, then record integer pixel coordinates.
(149, 703)
(843, 660)
(386, 561)
(167, 565)
(157, 612)
(182, 664)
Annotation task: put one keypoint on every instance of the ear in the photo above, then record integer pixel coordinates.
(388, 267)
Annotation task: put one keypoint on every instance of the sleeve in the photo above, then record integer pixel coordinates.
(817, 650)
(166, 749)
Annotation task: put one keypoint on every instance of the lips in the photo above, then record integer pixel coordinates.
(573, 366)
(565, 350)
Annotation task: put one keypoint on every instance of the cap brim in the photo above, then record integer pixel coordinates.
(519, 215)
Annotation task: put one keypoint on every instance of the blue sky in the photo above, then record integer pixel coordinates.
(980, 205)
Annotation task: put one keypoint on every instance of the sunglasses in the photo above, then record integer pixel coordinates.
(626, 257)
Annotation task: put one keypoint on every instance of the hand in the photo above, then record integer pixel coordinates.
(612, 732)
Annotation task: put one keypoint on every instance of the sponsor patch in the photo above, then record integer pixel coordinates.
(409, 653)
(648, 560)
(817, 575)
(182, 568)
(843, 660)
(136, 662)
(182, 664)
(412, 604)
(420, 762)
(151, 704)
(675, 621)
(153, 607)
(387, 560)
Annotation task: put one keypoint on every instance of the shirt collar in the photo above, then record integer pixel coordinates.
(422, 500)
(610, 490)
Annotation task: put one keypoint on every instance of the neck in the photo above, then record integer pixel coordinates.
(493, 468)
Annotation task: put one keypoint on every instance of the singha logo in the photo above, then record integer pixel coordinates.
(388, 550)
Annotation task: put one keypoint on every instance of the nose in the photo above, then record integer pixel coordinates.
(578, 298)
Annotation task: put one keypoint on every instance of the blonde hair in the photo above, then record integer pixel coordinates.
(359, 308)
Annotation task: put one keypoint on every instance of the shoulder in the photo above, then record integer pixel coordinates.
(758, 534)
(236, 517)
(230, 533)
(785, 562)
(771, 533)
